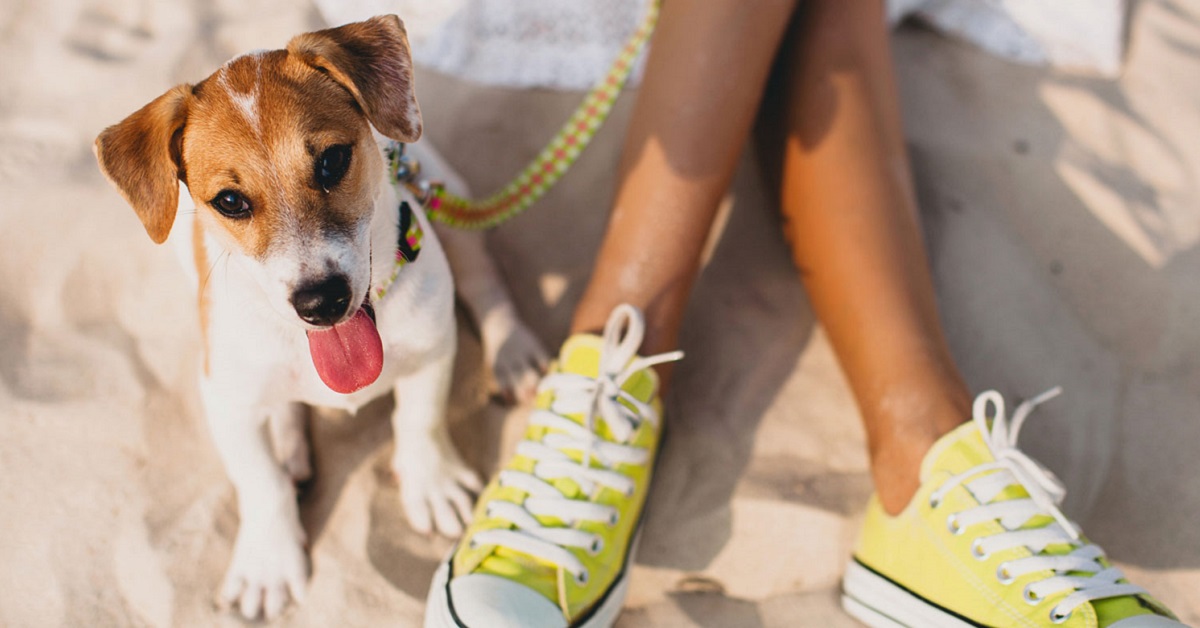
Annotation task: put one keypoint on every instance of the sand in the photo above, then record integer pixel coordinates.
(1062, 223)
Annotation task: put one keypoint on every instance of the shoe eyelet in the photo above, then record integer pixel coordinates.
(581, 578)
(614, 519)
(596, 546)
(952, 525)
(472, 544)
(934, 501)
(1031, 598)
(630, 491)
(977, 550)
(1004, 575)
(1058, 617)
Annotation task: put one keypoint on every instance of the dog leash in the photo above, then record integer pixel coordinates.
(545, 170)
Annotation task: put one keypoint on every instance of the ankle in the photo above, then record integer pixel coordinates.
(899, 441)
(896, 471)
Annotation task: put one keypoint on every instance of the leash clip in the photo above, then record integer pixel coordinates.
(404, 168)
(407, 171)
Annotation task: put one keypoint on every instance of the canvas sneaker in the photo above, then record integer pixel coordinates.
(983, 543)
(554, 531)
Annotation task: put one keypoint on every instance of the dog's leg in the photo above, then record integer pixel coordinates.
(511, 351)
(291, 444)
(269, 562)
(435, 484)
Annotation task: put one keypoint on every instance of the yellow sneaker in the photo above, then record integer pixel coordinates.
(554, 530)
(983, 543)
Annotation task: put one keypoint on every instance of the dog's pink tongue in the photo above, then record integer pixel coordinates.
(348, 356)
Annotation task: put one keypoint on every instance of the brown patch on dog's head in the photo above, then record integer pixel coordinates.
(372, 61)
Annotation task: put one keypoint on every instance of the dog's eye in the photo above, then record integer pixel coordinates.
(331, 166)
(231, 204)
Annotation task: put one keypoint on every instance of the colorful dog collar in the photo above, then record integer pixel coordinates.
(408, 246)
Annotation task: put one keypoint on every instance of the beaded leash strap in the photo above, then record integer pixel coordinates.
(546, 169)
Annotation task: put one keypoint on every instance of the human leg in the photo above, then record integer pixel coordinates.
(702, 88)
(851, 219)
(554, 532)
(965, 528)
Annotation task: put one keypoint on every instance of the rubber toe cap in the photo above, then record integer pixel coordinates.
(487, 601)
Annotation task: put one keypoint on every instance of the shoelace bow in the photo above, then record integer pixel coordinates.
(1079, 571)
(597, 399)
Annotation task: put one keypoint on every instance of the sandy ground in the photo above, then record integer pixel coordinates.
(1062, 221)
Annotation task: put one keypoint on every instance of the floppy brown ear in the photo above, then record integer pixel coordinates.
(141, 156)
(371, 59)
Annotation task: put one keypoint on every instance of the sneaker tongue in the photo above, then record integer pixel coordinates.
(348, 356)
(580, 355)
(963, 448)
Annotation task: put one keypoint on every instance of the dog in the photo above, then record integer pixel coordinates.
(319, 282)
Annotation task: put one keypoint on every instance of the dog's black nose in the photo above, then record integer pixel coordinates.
(325, 302)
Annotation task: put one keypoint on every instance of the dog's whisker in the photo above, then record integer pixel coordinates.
(223, 255)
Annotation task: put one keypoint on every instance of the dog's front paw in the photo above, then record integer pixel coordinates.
(436, 489)
(514, 355)
(269, 569)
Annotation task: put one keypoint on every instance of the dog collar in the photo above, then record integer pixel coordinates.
(408, 246)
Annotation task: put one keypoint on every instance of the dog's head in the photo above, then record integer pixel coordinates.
(277, 152)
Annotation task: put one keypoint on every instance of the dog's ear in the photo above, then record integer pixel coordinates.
(141, 156)
(371, 59)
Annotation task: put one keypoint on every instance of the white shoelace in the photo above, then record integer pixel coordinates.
(1092, 580)
(600, 399)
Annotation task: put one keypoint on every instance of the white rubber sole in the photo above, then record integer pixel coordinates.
(437, 607)
(879, 603)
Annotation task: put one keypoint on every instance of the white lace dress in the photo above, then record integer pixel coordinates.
(568, 44)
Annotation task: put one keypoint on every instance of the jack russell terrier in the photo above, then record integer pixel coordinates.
(319, 281)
